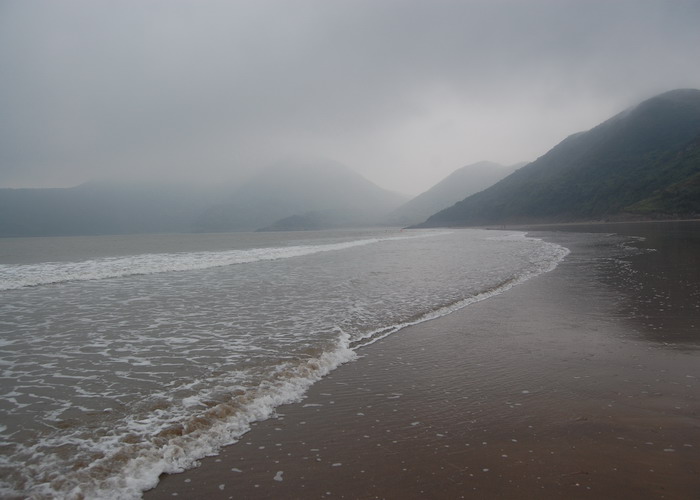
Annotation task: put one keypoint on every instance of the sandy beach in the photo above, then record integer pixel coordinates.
(583, 382)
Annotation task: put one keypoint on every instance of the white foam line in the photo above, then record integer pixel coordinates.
(17, 276)
(149, 461)
(376, 335)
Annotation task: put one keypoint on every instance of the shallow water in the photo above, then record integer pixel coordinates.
(657, 276)
(552, 390)
(561, 388)
(123, 358)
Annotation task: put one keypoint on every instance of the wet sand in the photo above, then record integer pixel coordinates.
(581, 383)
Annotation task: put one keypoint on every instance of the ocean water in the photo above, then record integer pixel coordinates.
(122, 358)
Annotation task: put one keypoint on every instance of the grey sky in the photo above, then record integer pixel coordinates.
(402, 91)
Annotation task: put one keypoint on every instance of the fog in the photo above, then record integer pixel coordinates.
(404, 92)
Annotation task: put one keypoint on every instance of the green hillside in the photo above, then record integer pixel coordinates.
(641, 160)
(679, 199)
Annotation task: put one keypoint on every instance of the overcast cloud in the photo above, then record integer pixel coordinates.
(402, 91)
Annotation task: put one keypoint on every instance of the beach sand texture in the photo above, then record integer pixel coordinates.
(581, 383)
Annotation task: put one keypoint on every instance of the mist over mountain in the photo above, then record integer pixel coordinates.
(284, 190)
(643, 161)
(459, 184)
(297, 189)
(316, 220)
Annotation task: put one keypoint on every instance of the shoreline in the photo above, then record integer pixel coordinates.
(553, 389)
(534, 226)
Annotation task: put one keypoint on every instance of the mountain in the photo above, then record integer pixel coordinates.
(680, 198)
(642, 161)
(343, 197)
(459, 184)
(296, 189)
(320, 219)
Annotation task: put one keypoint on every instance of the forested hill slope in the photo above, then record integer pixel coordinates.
(637, 155)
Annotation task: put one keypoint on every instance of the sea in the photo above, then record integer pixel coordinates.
(126, 357)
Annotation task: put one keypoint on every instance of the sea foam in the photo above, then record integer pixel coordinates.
(195, 364)
(14, 276)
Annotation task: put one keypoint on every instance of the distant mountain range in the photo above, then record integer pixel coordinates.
(302, 195)
(453, 188)
(643, 162)
(316, 195)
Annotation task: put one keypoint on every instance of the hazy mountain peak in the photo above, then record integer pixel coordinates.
(339, 194)
(296, 187)
(459, 184)
(615, 166)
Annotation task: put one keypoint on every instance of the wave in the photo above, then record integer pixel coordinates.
(131, 459)
(130, 467)
(229, 421)
(551, 255)
(17, 276)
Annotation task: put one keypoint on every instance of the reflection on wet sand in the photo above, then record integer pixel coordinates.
(581, 383)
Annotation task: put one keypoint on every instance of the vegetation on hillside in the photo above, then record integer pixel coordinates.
(637, 155)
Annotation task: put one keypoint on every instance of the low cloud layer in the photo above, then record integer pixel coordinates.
(402, 91)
